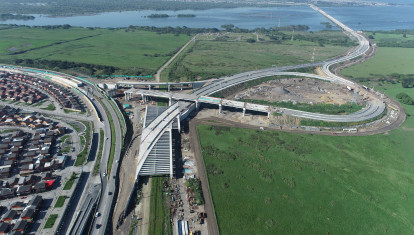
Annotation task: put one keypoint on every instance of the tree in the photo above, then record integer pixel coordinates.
(404, 98)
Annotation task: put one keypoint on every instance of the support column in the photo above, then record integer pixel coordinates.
(149, 87)
(171, 154)
(168, 88)
(169, 101)
(197, 105)
(220, 108)
(268, 114)
(126, 96)
(143, 98)
(244, 112)
(178, 123)
(181, 86)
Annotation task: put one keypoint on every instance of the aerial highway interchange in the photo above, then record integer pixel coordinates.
(101, 197)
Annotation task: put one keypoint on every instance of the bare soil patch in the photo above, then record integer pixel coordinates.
(299, 90)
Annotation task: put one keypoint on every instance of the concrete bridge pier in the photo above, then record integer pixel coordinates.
(168, 88)
(178, 123)
(220, 107)
(181, 86)
(244, 112)
(268, 114)
(143, 98)
(169, 101)
(149, 87)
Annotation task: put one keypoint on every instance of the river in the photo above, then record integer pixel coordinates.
(370, 18)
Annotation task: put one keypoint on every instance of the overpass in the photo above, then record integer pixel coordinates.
(133, 84)
(199, 99)
(374, 106)
(153, 137)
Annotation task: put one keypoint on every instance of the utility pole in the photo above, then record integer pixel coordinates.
(313, 55)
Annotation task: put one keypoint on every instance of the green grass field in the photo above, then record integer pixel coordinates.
(388, 60)
(266, 182)
(69, 183)
(159, 220)
(51, 221)
(60, 201)
(392, 39)
(213, 58)
(118, 48)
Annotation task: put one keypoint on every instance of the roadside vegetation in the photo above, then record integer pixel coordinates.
(159, 220)
(97, 165)
(40, 103)
(85, 140)
(277, 182)
(113, 141)
(314, 108)
(69, 183)
(60, 201)
(51, 221)
(50, 107)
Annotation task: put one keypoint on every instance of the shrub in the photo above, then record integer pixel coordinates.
(404, 98)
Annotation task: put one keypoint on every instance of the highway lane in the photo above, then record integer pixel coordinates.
(108, 181)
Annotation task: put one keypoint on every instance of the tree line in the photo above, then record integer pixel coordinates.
(79, 7)
(84, 68)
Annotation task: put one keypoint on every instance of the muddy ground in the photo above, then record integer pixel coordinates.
(299, 90)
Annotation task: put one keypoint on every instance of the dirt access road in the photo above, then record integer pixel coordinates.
(158, 74)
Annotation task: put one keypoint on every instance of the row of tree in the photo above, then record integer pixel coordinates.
(84, 68)
(76, 7)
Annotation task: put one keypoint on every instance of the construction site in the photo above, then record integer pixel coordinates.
(299, 90)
